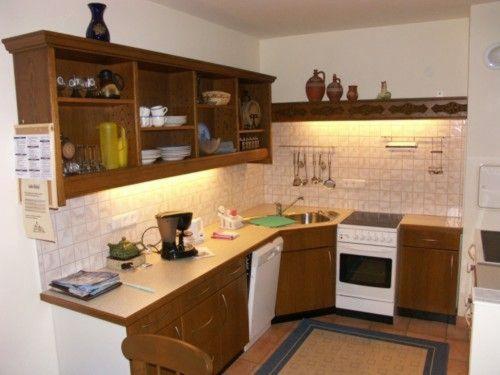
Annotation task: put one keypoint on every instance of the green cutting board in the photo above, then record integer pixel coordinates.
(272, 221)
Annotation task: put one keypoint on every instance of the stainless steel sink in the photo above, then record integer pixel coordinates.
(313, 217)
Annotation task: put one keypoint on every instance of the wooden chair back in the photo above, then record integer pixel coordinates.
(155, 354)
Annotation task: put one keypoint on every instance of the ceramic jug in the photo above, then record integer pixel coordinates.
(315, 86)
(113, 147)
(334, 90)
(352, 93)
(384, 93)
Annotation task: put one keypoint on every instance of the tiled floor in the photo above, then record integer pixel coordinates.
(457, 336)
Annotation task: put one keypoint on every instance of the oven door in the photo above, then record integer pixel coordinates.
(366, 271)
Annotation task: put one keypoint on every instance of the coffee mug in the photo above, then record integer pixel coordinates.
(158, 110)
(145, 121)
(158, 120)
(144, 111)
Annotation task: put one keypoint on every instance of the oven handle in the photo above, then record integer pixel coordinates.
(365, 249)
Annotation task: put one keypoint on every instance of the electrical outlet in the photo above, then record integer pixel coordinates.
(352, 183)
(124, 220)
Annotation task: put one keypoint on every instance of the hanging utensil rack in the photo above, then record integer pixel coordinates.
(436, 166)
(437, 146)
(309, 147)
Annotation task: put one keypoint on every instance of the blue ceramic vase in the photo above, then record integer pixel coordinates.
(97, 29)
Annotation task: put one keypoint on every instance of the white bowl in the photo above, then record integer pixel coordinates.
(148, 161)
(210, 146)
(175, 120)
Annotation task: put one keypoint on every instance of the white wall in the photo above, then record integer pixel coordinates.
(26, 331)
(484, 123)
(416, 60)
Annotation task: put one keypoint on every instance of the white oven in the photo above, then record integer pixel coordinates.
(366, 270)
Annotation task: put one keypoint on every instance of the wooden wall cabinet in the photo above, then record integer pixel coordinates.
(428, 270)
(307, 271)
(150, 78)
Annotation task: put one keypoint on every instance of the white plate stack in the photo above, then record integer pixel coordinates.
(150, 156)
(171, 153)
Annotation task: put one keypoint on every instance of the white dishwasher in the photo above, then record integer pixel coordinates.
(264, 272)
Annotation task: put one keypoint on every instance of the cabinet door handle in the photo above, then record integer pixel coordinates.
(147, 324)
(177, 332)
(235, 271)
(330, 257)
(202, 293)
(429, 239)
(204, 325)
(226, 308)
(452, 261)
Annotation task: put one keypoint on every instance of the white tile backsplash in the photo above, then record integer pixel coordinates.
(395, 181)
(84, 224)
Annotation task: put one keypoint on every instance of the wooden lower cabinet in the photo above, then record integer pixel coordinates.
(202, 326)
(219, 324)
(306, 280)
(233, 299)
(213, 315)
(173, 330)
(428, 280)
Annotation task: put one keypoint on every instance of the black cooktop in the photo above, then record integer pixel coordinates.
(491, 245)
(373, 219)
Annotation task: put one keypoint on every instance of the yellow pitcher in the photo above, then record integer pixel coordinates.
(114, 149)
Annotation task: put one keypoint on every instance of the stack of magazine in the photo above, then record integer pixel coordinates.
(86, 284)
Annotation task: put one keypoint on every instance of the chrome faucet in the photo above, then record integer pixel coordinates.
(279, 206)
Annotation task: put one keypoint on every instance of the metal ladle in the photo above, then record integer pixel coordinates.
(322, 167)
(329, 183)
(305, 180)
(296, 180)
(314, 179)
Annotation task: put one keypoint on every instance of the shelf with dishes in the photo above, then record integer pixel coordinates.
(79, 185)
(251, 131)
(168, 128)
(97, 101)
(94, 101)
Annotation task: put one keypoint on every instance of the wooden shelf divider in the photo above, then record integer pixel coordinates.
(167, 128)
(251, 131)
(93, 101)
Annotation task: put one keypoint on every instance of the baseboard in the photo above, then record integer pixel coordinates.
(436, 317)
(365, 316)
(302, 315)
(230, 362)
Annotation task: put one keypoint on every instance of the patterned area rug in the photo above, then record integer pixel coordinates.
(316, 347)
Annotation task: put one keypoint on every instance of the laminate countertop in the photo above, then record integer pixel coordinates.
(169, 279)
(433, 221)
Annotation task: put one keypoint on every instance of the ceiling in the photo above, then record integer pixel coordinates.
(273, 18)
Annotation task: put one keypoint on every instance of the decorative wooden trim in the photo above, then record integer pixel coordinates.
(414, 108)
(408, 109)
(450, 108)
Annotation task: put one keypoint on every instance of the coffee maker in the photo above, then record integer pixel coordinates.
(169, 224)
